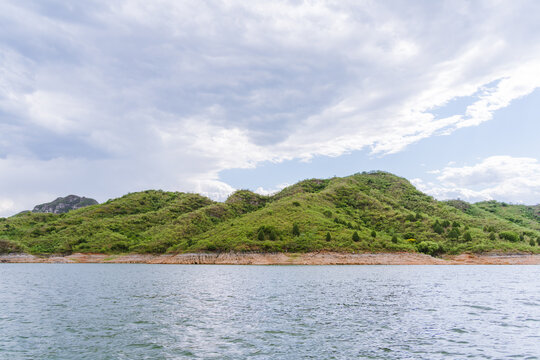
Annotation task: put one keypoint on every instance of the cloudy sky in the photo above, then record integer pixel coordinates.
(101, 98)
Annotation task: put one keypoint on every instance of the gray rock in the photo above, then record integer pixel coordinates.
(64, 204)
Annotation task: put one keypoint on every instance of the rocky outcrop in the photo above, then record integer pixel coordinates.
(64, 204)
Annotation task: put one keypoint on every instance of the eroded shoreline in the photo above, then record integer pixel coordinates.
(313, 258)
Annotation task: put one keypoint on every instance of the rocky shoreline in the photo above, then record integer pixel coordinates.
(313, 258)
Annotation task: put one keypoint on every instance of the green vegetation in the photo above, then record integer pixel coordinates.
(295, 230)
(373, 212)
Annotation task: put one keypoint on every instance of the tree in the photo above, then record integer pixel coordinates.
(373, 234)
(437, 227)
(532, 242)
(328, 237)
(467, 236)
(454, 234)
(492, 236)
(295, 230)
(267, 232)
(355, 236)
(394, 239)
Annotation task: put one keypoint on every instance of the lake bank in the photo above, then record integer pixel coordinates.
(313, 258)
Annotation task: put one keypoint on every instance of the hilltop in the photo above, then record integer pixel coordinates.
(366, 212)
(64, 204)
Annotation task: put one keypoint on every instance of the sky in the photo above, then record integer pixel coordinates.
(101, 98)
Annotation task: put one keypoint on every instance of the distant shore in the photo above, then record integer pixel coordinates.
(313, 258)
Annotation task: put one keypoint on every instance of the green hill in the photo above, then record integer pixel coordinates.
(376, 212)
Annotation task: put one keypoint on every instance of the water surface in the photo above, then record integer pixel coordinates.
(119, 311)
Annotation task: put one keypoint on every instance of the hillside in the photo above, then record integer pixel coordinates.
(375, 212)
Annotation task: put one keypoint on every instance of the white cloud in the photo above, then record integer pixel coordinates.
(518, 82)
(214, 189)
(145, 94)
(505, 178)
(56, 112)
(6, 206)
(263, 191)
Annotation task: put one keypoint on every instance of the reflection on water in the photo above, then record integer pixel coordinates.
(113, 311)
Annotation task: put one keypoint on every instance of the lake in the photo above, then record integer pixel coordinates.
(120, 311)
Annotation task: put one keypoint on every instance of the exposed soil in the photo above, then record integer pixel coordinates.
(319, 258)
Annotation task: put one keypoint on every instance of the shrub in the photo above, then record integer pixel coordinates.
(120, 246)
(437, 227)
(267, 233)
(373, 234)
(296, 203)
(467, 236)
(410, 217)
(328, 237)
(355, 236)
(295, 230)
(509, 235)
(429, 247)
(492, 236)
(154, 247)
(454, 233)
(532, 242)
(408, 235)
(394, 239)
(327, 213)
(7, 247)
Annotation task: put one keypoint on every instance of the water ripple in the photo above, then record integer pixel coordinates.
(109, 311)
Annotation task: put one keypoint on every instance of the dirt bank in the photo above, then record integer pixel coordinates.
(319, 258)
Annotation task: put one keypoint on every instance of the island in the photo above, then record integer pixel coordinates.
(366, 218)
